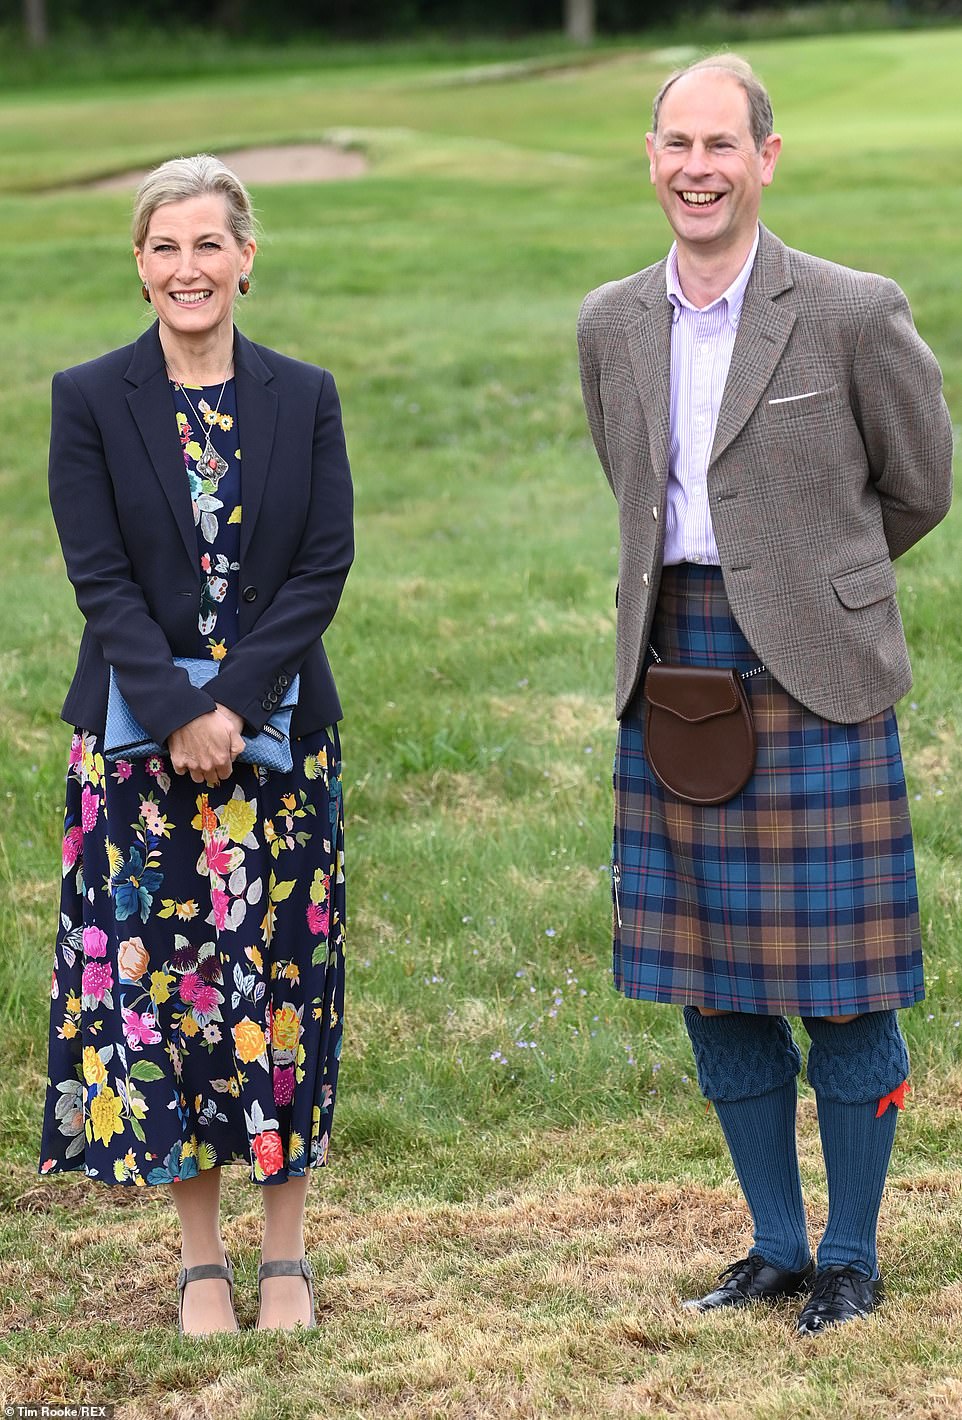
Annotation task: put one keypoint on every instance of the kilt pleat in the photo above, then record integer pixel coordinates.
(799, 895)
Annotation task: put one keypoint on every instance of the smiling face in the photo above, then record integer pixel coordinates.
(191, 263)
(705, 167)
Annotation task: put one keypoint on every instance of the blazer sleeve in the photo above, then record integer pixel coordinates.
(113, 605)
(590, 380)
(304, 606)
(905, 425)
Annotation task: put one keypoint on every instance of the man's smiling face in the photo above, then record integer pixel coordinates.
(705, 166)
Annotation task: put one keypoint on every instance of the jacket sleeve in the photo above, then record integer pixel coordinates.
(905, 425)
(304, 606)
(113, 605)
(590, 380)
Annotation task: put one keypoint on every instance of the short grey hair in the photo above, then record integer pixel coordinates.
(761, 121)
(180, 179)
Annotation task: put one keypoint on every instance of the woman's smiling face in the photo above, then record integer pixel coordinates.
(191, 263)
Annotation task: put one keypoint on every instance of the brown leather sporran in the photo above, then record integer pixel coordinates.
(699, 732)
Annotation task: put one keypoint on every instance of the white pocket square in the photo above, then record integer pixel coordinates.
(794, 398)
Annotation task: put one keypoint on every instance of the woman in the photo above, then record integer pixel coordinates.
(198, 979)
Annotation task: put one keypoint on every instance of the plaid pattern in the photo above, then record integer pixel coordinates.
(796, 897)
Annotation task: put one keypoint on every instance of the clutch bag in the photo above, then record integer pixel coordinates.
(126, 738)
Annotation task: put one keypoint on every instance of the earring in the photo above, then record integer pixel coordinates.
(145, 292)
(243, 283)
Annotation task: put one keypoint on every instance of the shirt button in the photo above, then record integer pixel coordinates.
(694, 558)
(249, 594)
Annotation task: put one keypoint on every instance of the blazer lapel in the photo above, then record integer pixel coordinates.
(650, 348)
(153, 410)
(257, 420)
(763, 332)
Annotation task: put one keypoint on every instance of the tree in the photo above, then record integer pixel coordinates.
(35, 22)
(580, 20)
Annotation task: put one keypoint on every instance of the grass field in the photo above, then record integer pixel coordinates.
(524, 1178)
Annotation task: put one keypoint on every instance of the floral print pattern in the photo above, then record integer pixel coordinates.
(197, 992)
(198, 983)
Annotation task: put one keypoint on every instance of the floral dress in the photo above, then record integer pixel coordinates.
(198, 978)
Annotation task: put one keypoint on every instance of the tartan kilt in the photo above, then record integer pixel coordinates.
(798, 896)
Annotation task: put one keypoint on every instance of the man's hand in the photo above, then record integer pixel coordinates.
(206, 748)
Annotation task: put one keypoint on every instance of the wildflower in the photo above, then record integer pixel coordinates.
(132, 959)
(105, 1111)
(97, 980)
(189, 986)
(95, 1072)
(95, 942)
(238, 817)
(139, 1028)
(160, 984)
(249, 1041)
(269, 1151)
(134, 888)
(319, 918)
(286, 1028)
(205, 820)
(206, 1000)
(72, 846)
(283, 1085)
(89, 808)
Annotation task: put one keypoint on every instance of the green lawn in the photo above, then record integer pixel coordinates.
(524, 1177)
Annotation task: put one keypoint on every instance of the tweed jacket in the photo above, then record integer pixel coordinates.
(832, 456)
(121, 502)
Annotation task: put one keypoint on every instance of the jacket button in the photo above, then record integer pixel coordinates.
(654, 514)
(271, 698)
(645, 579)
(283, 681)
(249, 594)
(266, 705)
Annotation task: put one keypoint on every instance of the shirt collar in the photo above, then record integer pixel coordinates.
(734, 297)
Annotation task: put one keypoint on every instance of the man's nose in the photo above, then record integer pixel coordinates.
(698, 161)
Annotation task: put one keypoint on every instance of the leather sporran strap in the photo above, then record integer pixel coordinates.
(699, 732)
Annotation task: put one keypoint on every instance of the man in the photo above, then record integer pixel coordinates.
(774, 432)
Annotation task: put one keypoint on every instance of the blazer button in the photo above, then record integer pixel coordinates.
(654, 514)
(249, 594)
(645, 579)
(271, 698)
(283, 681)
(266, 705)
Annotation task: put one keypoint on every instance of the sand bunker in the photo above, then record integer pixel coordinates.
(294, 162)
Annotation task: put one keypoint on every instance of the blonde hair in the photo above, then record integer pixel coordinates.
(761, 120)
(182, 178)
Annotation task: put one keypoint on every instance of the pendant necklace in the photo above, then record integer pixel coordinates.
(210, 465)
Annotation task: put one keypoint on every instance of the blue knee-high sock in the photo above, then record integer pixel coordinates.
(747, 1067)
(852, 1068)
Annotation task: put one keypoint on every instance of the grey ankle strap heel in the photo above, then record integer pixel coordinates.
(284, 1267)
(206, 1271)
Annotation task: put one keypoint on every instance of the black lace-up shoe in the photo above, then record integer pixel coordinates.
(752, 1279)
(839, 1294)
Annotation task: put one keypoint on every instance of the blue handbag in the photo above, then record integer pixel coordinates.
(126, 738)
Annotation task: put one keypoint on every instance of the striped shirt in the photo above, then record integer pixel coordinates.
(701, 350)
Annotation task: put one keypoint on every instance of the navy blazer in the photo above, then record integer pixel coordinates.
(121, 502)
